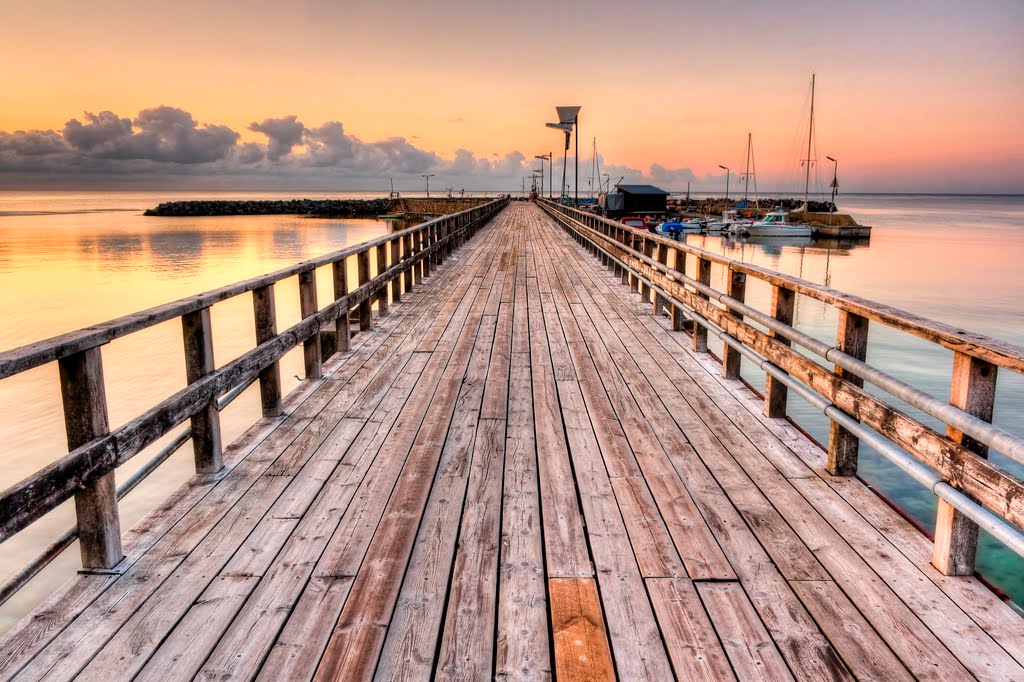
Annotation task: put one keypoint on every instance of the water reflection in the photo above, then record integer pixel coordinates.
(176, 253)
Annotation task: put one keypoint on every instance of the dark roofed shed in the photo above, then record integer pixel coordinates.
(643, 198)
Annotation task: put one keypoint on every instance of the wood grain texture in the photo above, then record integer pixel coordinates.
(581, 643)
(519, 414)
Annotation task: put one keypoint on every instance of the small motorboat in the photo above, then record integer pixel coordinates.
(774, 224)
(671, 229)
(730, 219)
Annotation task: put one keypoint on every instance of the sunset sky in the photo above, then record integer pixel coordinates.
(321, 94)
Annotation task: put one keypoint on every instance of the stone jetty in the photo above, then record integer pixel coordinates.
(327, 208)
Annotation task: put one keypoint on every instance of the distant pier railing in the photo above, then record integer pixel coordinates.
(400, 260)
(972, 491)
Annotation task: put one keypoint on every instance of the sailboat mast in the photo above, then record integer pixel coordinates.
(746, 174)
(810, 134)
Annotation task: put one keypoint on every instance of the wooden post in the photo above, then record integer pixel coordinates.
(645, 289)
(407, 239)
(661, 252)
(679, 264)
(424, 242)
(439, 234)
(852, 339)
(266, 329)
(973, 390)
(623, 270)
(736, 287)
(783, 306)
(396, 283)
(417, 242)
(700, 334)
(85, 419)
(363, 267)
(197, 333)
(341, 325)
(307, 308)
(382, 293)
(635, 244)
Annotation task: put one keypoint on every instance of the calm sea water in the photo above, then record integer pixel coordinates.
(68, 260)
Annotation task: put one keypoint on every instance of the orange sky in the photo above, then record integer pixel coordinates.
(911, 95)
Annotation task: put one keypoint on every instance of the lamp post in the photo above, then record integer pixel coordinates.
(726, 184)
(542, 157)
(835, 187)
(568, 117)
(427, 178)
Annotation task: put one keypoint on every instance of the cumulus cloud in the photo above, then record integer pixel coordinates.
(284, 134)
(162, 134)
(168, 142)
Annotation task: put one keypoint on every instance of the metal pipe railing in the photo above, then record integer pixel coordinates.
(997, 438)
(1011, 536)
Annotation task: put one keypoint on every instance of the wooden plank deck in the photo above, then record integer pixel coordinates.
(521, 474)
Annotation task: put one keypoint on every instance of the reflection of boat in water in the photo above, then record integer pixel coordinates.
(775, 224)
(780, 241)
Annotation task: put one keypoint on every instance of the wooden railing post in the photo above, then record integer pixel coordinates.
(626, 277)
(973, 390)
(661, 252)
(783, 306)
(736, 287)
(700, 334)
(382, 294)
(679, 265)
(417, 245)
(634, 243)
(307, 308)
(852, 339)
(266, 329)
(645, 288)
(341, 325)
(424, 243)
(407, 241)
(439, 233)
(363, 268)
(197, 333)
(396, 283)
(85, 419)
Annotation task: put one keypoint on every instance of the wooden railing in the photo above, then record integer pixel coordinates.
(971, 490)
(402, 259)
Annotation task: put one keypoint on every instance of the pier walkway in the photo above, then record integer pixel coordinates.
(520, 473)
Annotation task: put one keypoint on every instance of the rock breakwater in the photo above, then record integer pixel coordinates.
(325, 208)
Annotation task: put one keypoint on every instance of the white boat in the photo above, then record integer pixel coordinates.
(729, 222)
(775, 224)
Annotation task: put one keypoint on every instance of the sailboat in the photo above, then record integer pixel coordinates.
(731, 221)
(775, 224)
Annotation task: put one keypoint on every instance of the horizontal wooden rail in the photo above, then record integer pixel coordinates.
(995, 351)
(96, 453)
(958, 460)
(26, 357)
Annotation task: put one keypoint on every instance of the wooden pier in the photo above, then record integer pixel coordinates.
(515, 471)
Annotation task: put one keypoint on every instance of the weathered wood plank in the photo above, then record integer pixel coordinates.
(691, 640)
(581, 643)
(746, 641)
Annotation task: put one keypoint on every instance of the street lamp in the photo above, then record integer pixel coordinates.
(835, 186)
(568, 117)
(542, 157)
(427, 178)
(726, 184)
